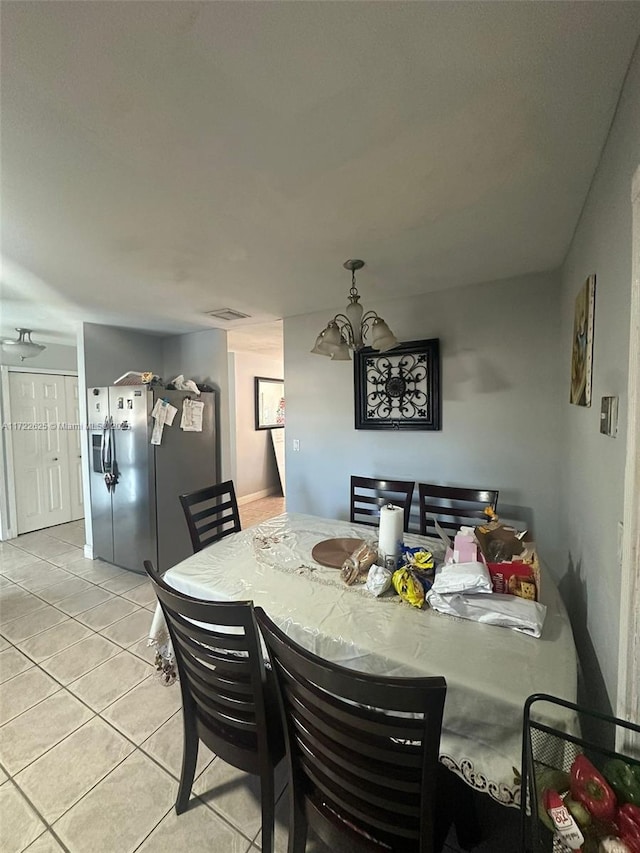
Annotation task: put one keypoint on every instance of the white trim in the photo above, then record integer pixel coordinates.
(84, 445)
(628, 699)
(8, 510)
(15, 369)
(233, 418)
(88, 552)
(265, 493)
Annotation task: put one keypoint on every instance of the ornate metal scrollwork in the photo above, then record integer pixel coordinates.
(396, 386)
(399, 389)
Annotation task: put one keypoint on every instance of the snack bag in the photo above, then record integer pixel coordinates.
(408, 587)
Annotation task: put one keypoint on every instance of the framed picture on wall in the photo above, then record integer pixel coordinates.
(269, 394)
(398, 389)
(582, 347)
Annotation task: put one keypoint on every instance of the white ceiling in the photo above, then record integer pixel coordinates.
(160, 160)
(264, 339)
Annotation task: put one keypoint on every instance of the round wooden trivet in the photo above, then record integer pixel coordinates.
(333, 552)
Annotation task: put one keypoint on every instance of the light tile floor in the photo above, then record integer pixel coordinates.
(256, 511)
(90, 740)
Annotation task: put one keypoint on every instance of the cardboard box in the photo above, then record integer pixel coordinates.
(512, 578)
(511, 558)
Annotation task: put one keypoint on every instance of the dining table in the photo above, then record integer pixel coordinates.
(490, 670)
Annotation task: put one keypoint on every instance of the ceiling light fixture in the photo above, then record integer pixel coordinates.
(348, 331)
(23, 347)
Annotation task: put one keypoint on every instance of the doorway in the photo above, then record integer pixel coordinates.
(256, 360)
(629, 645)
(45, 448)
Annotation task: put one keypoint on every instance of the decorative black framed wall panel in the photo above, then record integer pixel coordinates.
(398, 389)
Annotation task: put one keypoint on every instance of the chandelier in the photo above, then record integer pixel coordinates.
(349, 331)
(23, 347)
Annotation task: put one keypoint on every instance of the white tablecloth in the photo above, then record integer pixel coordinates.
(490, 671)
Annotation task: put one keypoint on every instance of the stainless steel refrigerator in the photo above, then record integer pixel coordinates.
(135, 485)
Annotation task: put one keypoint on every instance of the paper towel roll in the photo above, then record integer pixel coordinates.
(390, 535)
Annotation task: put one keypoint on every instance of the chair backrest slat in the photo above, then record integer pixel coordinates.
(218, 509)
(369, 494)
(205, 637)
(222, 694)
(368, 724)
(372, 817)
(233, 693)
(374, 766)
(216, 506)
(230, 660)
(354, 751)
(232, 664)
(379, 749)
(368, 767)
(237, 721)
(216, 524)
(452, 506)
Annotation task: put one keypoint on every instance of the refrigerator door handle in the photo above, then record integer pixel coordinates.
(114, 458)
(103, 445)
(107, 454)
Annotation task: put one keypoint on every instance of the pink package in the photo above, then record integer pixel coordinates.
(465, 548)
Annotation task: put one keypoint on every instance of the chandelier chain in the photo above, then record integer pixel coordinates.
(353, 290)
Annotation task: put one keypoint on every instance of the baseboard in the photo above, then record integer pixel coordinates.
(265, 493)
(7, 534)
(88, 552)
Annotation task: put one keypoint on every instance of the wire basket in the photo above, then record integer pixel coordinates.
(548, 752)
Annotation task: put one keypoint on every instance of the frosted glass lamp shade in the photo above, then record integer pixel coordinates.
(333, 337)
(23, 347)
(320, 346)
(341, 352)
(330, 342)
(382, 338)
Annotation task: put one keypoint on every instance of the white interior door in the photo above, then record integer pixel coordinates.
(40, 450)
(74, 437)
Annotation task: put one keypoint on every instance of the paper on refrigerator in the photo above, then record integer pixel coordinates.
(163, 414)
(192, 412)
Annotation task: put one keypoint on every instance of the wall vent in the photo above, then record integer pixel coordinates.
(227, 314)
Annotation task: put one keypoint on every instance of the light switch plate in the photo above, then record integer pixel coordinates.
(609, 416)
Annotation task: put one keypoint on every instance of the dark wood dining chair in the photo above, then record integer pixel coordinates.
(211, 513)
(369, 494)
(452, 506)
(228, 696)
(362, 771)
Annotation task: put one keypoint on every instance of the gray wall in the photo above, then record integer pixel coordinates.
(110, 351)
(256, 468)
(54, 357)
(202, 356)
(501, 405)
(592, 464)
